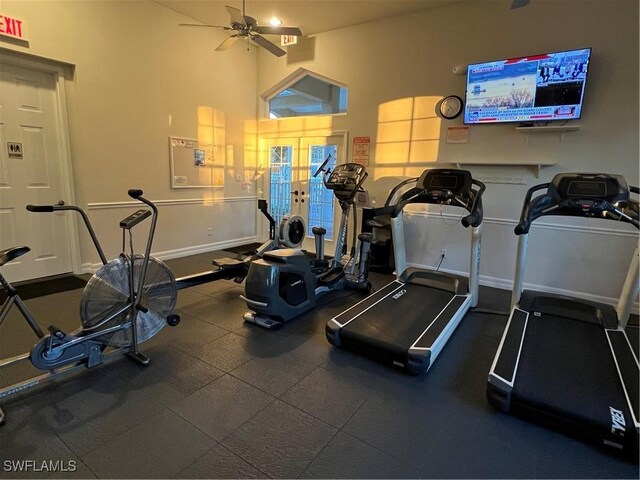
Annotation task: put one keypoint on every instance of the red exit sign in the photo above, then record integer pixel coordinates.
(12, 27)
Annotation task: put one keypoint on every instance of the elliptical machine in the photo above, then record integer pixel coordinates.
(289, 234)
(284, 284)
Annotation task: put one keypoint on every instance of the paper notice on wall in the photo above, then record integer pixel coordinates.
(361, 150)
(457, 134)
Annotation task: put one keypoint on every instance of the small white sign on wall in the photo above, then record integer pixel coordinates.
(457, 134)
(14, 150)
(360, 151)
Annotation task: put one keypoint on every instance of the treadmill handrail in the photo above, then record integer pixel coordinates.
(476, 214)
(395, 189)
(546, 204)
(419, 195)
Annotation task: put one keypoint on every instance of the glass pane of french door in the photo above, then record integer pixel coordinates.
(292, 189)
(320, 199)
(281, 165)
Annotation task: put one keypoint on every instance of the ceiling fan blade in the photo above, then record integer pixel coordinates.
(266, 30)
(227, 43)
(266, 44)
(518, 3)
(202, 25)
(236, 16)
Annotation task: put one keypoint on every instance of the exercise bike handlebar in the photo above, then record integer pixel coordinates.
(135, 193)
(85, 218)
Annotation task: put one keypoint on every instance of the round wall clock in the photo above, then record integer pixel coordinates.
(450, 107)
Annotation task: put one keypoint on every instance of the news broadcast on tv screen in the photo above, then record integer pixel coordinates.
(538, 88)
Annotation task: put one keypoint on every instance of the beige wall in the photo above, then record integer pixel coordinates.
(133, 68)
(397, 68)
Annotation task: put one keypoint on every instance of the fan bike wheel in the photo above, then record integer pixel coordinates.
(108, 291)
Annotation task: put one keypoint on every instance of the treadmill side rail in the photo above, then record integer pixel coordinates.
(505, 364)
(629, 373)
(438, 332)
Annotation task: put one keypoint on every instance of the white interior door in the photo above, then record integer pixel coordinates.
(292, 188)
(31, 172)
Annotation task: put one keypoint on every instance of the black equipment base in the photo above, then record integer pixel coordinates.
(572, 374)
(402, 324)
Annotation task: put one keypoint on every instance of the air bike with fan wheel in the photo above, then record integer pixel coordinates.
(127, 301)
(289, 234)
(565, 362)
(285, 283)
(407, 322)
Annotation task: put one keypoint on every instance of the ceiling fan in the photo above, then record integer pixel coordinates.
(244, 26)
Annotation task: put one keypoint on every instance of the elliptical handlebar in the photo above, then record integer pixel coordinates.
(321, 167)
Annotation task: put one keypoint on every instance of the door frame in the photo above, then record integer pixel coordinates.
(261, 223)
(62, 73)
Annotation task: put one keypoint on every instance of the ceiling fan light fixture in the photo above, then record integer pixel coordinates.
(275, 21)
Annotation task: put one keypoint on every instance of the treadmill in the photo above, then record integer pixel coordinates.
(407, 322)
(564, 362)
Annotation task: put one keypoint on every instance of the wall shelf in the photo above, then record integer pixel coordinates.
(537, 165)
(548, 129)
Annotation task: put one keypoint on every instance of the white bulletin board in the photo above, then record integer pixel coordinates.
(195, 165)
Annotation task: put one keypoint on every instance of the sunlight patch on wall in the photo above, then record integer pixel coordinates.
(250, 150)
(296, 126)
(211, 138)
(288, 128)
(408, 136)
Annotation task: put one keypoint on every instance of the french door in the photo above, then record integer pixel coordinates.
(292, 188)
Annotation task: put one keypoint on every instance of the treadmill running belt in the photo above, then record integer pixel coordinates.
(392, 324)
(574, 378)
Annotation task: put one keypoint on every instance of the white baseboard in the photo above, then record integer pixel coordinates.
(507, 284)
(183, 252)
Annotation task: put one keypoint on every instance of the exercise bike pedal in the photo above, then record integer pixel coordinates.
(57, 332)
(139, 357)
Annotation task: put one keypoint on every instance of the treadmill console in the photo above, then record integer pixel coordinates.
(345, 180)
(440, 183)
(589, 191)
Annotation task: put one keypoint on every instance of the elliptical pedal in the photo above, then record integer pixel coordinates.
(331, 277)
(264, 322)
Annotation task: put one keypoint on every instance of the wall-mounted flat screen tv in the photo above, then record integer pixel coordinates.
(539, 88)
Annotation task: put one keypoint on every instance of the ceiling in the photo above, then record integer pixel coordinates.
(312, 16)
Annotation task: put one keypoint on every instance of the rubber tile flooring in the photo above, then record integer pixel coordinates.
(225, 399)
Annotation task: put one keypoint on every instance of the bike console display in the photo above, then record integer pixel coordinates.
(346, 179)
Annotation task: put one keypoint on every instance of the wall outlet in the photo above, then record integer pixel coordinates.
(443, 253)
(210, 232)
